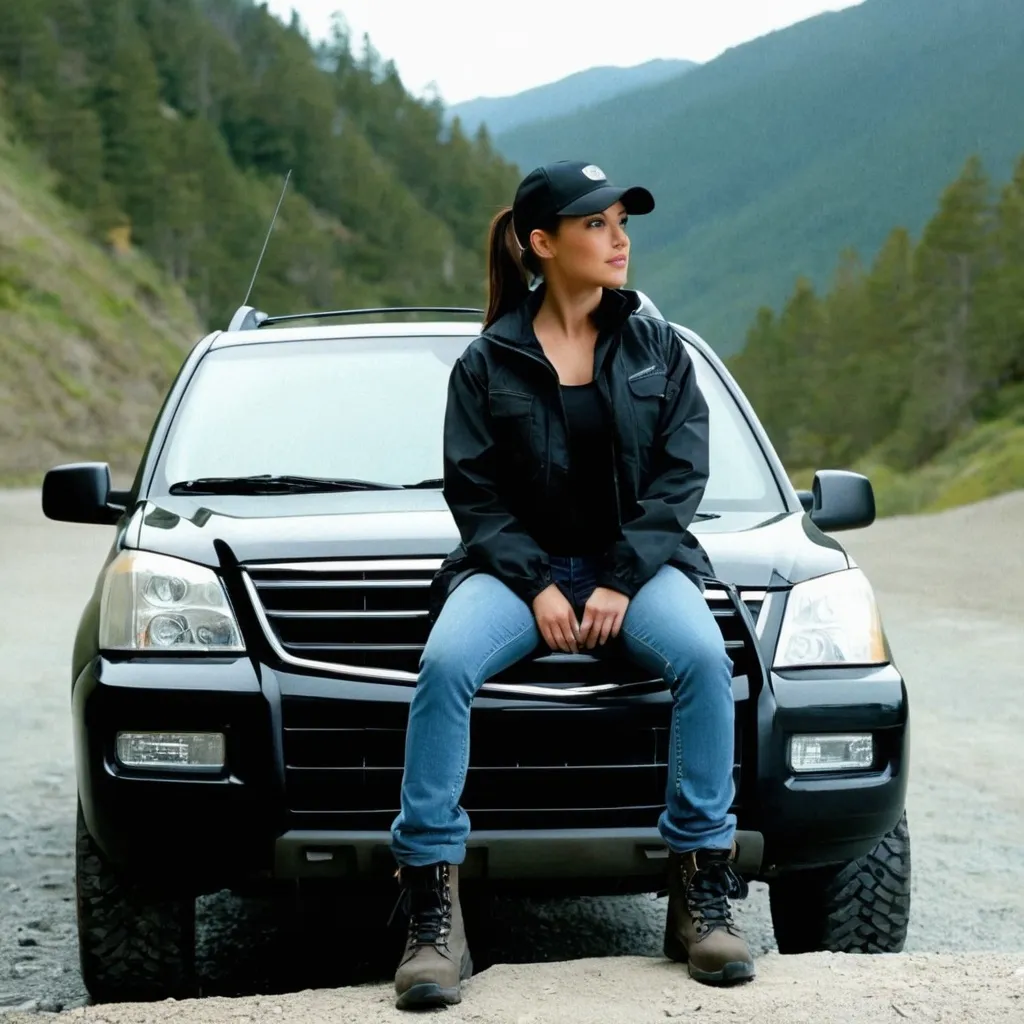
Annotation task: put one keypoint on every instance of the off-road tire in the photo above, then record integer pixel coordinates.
(860, 907)
(136, 941)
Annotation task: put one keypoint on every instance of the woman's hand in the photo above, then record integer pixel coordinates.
(556, 620)
(602, 617)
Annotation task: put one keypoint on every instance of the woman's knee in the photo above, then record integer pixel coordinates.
(704, 659)
(445, 671)
(482, 626)
(693, 632)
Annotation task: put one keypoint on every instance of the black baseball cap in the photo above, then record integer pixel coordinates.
(570, 188)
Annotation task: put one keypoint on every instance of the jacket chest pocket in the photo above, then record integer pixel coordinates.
(648, 390)
(648, 383)
(515, 427)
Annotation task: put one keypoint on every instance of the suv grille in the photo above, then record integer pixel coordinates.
(561, 766)
(370, 617)
(365, 614)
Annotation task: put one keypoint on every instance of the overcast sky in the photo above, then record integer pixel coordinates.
(472, 48)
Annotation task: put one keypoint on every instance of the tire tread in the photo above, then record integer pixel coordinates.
(136, 943)
(860, 907)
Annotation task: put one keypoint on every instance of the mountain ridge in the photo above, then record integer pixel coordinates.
(564, 96)
(785, 149)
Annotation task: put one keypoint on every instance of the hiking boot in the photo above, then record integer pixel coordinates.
(699, 928)
(436, 959)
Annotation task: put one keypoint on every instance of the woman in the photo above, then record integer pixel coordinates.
(575, 456)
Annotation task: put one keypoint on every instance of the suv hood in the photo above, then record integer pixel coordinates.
(749, 549)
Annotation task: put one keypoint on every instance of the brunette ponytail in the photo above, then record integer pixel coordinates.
(507, 276)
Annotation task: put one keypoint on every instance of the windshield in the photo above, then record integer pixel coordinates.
(373, 409)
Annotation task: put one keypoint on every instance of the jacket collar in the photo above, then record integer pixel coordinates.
(616, 307)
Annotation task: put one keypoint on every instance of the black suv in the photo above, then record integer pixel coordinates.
(242, 673)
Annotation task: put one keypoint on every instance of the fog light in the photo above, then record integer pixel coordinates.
(831, 753)
(189, 750)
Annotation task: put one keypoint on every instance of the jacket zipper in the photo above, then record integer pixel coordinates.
(640, 374)
(600, 380)
(615, 455)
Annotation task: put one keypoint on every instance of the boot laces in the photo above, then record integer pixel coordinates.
(428, 904)
(710, 888)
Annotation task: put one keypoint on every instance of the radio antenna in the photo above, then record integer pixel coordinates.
(266, 241)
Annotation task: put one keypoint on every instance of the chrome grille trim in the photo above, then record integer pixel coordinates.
(363, 647)
(368, 565)
(410, 678)
(340, 584)
(319, 569)
(712, 594)
(392, 675)
(349, 615)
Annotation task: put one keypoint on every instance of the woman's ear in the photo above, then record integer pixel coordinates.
(542, 244)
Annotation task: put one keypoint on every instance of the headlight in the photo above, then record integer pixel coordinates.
(157, 603)
(831, 620)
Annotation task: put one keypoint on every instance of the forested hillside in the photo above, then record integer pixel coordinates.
(911, 367)
(89, 339)
(172, 123)
(768, 160)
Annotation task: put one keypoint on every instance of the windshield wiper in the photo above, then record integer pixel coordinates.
(273, 484)
(701, 516)
(425, 484)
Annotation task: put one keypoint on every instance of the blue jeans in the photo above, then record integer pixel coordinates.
(484, 628)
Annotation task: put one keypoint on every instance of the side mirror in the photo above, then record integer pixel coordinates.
(841, 500)
(80, 492)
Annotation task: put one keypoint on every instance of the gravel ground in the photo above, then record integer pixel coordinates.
(956, 629)
(950, 988)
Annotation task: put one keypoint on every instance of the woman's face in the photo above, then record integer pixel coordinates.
(587, 251)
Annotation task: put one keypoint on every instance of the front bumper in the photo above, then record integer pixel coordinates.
(217, 826)
(245, 822)
(619, 859)
(811, 820)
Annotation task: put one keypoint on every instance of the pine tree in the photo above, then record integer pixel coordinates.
(135, 131)
(754, 367)
(887, 345)
(796, 391)
(948, 265)
(74, 148)
(1000, 348)
(28, 49)
(841, 360)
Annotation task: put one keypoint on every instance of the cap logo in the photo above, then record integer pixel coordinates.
(594, 173)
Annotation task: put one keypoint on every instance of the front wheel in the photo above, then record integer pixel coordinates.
(859, 907)
(136, 941)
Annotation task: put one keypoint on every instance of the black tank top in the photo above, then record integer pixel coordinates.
(588, 522)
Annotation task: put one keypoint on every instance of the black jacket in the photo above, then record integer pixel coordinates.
(506, 450)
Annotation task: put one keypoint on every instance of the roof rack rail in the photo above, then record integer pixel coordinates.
(247, 318)
(324, 314)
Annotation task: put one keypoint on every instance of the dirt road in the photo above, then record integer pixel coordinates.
(818, 989)
(951, 588)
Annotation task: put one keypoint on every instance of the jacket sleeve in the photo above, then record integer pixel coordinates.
(494, 539)
(665, 510)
